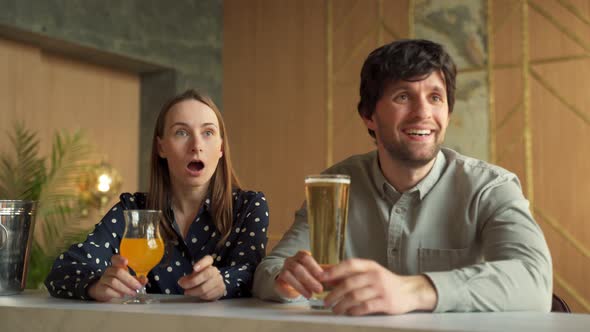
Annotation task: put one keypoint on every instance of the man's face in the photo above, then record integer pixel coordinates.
(410, 119)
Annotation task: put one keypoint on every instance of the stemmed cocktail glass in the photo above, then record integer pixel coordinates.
(143, 247)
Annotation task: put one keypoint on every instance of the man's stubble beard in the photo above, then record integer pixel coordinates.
(405, 155)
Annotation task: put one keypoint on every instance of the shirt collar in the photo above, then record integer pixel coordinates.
(385, 189)
(432, 177)
(423, 187)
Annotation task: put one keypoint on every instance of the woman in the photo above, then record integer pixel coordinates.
(216, 232)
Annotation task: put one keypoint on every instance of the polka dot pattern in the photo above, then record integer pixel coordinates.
(236, 258)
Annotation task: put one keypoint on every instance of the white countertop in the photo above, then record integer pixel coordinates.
(37, 311)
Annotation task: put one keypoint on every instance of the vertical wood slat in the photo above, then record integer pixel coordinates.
(49, 92)
(274, 98)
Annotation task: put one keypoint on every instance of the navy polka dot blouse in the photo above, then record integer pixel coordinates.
(236, 259)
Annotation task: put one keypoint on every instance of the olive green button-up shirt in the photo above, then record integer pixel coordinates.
(466, 226)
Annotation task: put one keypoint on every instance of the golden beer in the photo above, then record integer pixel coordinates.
(327, 211)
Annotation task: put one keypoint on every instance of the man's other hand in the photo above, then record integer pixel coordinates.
(364, 287)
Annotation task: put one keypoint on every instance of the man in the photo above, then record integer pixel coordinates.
(428, 229)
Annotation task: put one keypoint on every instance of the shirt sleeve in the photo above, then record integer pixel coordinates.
(248, 250)
(295, 239)
(517, 271)
(83, 263)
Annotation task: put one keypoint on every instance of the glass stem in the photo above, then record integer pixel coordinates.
(141, 293)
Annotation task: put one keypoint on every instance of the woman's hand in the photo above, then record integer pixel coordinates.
(116, 282)
(205, 282)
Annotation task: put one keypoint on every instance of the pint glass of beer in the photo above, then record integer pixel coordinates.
(327, 210)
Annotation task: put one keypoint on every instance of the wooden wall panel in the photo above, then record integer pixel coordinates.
(20, 87)
(506, 32)
(358, 28)
(354, 29)
(558, 122)
(274, 88)
(509, 121)
(104, 103)
(559, 77)
(49, 92)
(555, 30)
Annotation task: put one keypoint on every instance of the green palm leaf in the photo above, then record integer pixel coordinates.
(21, 173)
(59, 209)
(25, 176)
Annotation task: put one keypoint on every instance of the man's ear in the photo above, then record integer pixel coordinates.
(369, 122)
(449, 118)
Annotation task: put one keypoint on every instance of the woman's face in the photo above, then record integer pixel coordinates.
(191, 144)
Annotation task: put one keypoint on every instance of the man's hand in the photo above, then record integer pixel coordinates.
(205, 282)
(116, 282)
(299, 276)
(365, 287)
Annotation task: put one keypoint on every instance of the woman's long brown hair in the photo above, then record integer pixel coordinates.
(223, 181)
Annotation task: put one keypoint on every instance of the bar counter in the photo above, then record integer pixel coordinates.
(37, 311)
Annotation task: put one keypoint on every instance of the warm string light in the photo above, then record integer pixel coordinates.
(104, 183)
(98, 185)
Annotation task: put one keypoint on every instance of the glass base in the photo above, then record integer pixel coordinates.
(141, 300)
(317, 301)
(317, 304)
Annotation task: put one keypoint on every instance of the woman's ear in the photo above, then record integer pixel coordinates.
(160, 148)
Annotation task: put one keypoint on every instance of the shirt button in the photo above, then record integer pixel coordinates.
(398, 210)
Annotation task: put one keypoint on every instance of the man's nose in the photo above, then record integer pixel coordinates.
(422, 108)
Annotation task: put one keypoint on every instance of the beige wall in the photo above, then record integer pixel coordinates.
(49, 92)
(291, 87)
(288, 112)
(543, 122)
(273, 98)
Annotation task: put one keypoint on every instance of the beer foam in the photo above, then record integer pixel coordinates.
(328, 180)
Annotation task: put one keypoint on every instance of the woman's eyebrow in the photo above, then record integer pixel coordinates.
(208, 124)
(178, 124)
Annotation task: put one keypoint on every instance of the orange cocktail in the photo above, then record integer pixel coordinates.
(143, 254)
(142, 245)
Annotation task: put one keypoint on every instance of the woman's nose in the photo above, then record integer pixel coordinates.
(196, 145)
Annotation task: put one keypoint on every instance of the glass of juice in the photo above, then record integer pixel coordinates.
(143, 247)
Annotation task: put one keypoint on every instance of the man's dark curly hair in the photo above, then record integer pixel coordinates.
(408, 60)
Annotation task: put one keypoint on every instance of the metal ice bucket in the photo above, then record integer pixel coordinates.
(17, 221)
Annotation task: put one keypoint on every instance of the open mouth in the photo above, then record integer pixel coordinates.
(196, 166)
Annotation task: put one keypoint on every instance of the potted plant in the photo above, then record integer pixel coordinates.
(51, 181)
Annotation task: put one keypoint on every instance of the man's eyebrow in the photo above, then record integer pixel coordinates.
(438, 88)
(404, 85)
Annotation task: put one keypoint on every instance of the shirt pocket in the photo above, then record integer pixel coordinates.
(433, 260)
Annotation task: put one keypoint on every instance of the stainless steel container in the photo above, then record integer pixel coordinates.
(17, 221)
